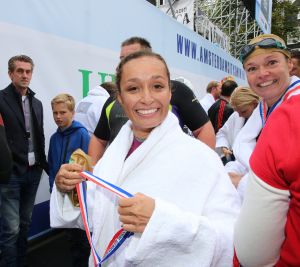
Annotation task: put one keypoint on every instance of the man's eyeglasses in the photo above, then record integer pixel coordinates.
(265, 43)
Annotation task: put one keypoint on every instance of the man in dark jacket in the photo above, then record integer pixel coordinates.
(22, 114)
(221, 110)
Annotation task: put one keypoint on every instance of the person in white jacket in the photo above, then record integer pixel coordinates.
(213, 92)
(188, 205)
(88, 109)
(244, 101)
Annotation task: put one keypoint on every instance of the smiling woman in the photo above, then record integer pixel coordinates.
(270, 211)
(186, 211)
(268, 75)
(267, 63)
(144, 92)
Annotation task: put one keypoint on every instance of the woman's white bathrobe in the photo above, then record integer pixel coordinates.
(226, 137)
(196, 205)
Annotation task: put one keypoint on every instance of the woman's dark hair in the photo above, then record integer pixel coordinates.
(137, 55)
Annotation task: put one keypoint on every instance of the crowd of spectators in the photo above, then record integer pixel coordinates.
(185, 166)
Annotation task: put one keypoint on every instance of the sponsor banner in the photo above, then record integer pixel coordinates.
(183, 11)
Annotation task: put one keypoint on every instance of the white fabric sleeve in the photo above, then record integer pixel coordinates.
(63, 214)
(223, 135)
(259, 231)
(94, 116)
(242, 186)
(236, 167)
(246, 139)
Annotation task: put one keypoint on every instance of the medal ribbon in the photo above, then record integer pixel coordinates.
(119, 238)
(265, 111)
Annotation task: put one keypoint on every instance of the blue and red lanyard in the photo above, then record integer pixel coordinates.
(119, 238)
(265, 111)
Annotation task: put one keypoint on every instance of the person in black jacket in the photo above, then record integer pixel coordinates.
(22, 114)
(221, 110)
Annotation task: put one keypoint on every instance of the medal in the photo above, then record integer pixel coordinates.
(119, 238)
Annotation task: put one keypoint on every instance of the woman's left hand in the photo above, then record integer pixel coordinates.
(135, 212)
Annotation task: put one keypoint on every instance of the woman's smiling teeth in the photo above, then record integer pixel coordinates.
(267, 83)
(146, 111)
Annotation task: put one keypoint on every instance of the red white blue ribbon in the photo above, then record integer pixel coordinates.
(265, 111)
(119, 238)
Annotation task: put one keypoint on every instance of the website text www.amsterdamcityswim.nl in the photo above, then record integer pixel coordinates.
(203, 55)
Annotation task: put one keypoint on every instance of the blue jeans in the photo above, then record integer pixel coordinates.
(18, 198)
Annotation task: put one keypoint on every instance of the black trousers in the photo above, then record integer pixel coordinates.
(79, 247)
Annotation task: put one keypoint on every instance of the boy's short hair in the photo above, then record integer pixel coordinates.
(66, 99)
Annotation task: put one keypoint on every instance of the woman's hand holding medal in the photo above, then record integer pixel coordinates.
(68, 176)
